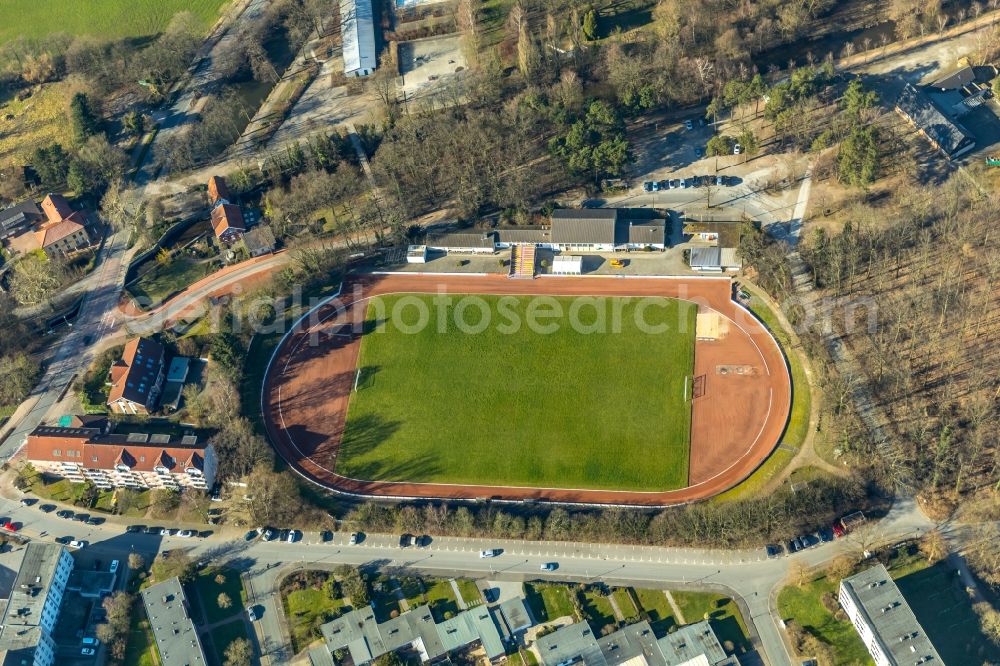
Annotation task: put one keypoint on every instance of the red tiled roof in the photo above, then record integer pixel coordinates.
(56, 207)
(135, 373)
(87, 447)
(217, 189)
(225, 217)
(56, 231)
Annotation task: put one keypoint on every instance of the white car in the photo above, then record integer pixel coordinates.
(87, 652)
(354, 538)
(737, 149)
(185, 534)
(688, 124)
(493, 552)
(114, 566)
(77, 544)
(251, 613)
(294, 535)
(166, 531)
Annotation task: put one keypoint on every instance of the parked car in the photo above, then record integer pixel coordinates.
(656, 186)
(737, 149)
(825, 535)
(647, 186)
(838, 530)
(406, 540)
(166, 531)
(423, 541)
(252, 613)
(774, 550)
(66, 514)
(269, 534)
(251, 535)
(283, 535)
(684, 183)
(114, 566)
(720, 180)
(81, 517)
(550, 566)
(664, 184)
(792, 546)
(91, 641)
(293, 536)
(355, 538)
(95, 520)
(28, 501)
(675, 183)
(492, 552)
(153, 529)
(64, 540)
(689, 124)
(87, 652)
(185, 534)
(77, 544)
(10, 527)
(47, 508)
(133, 529)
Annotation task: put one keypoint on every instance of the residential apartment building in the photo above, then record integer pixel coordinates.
(33, 606)
(137, 460)
(884, 621)
(137, 377)
(176, 638)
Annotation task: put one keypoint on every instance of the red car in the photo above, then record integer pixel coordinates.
(838, 531)
(11, 527)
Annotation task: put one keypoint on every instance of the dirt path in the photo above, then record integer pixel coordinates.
(735, 424)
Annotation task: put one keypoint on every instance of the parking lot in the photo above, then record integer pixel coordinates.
(428, 67)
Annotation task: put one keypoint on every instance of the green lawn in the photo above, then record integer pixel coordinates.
(163, 281)
(140, 649)
(804, 606)
(597, 610)
(470, 592)
(574, 396)
(655, 603)
(727, 622)
(942, 607)
(110, 19)
(548, 601)
(798, 421)
(306, 609)
(624, 602)
(209, 590)
(436, 592)
(222, 636)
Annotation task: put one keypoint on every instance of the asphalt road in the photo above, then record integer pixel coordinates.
(74, 352)
(748, 574)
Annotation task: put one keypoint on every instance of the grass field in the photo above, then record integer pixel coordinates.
(802, 604)
(161, 282)
(37, 120)
(604, 410)
(727, 622)
(548, 601)
(303, 607)
(108, 19)
(655, 603)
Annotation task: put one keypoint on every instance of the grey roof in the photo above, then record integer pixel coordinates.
(536, 234)
(357, 30)
(706, 257)
(178, 370)
(647, 231)
(515, 615)
(575, 642)
(32, 588)
(320, 656)
(91, 584)
(690, 642)
(259, 239)
(176, 638)
(951, 137)
(366, 639)
(892, 621)
(19, 214)
(462, 240)
(356, 631)
(630, 642)
(955, 79)
(586, 226)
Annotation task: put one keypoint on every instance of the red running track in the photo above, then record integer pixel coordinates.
(735, 425)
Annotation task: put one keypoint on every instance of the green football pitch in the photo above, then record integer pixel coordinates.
(586, 406)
